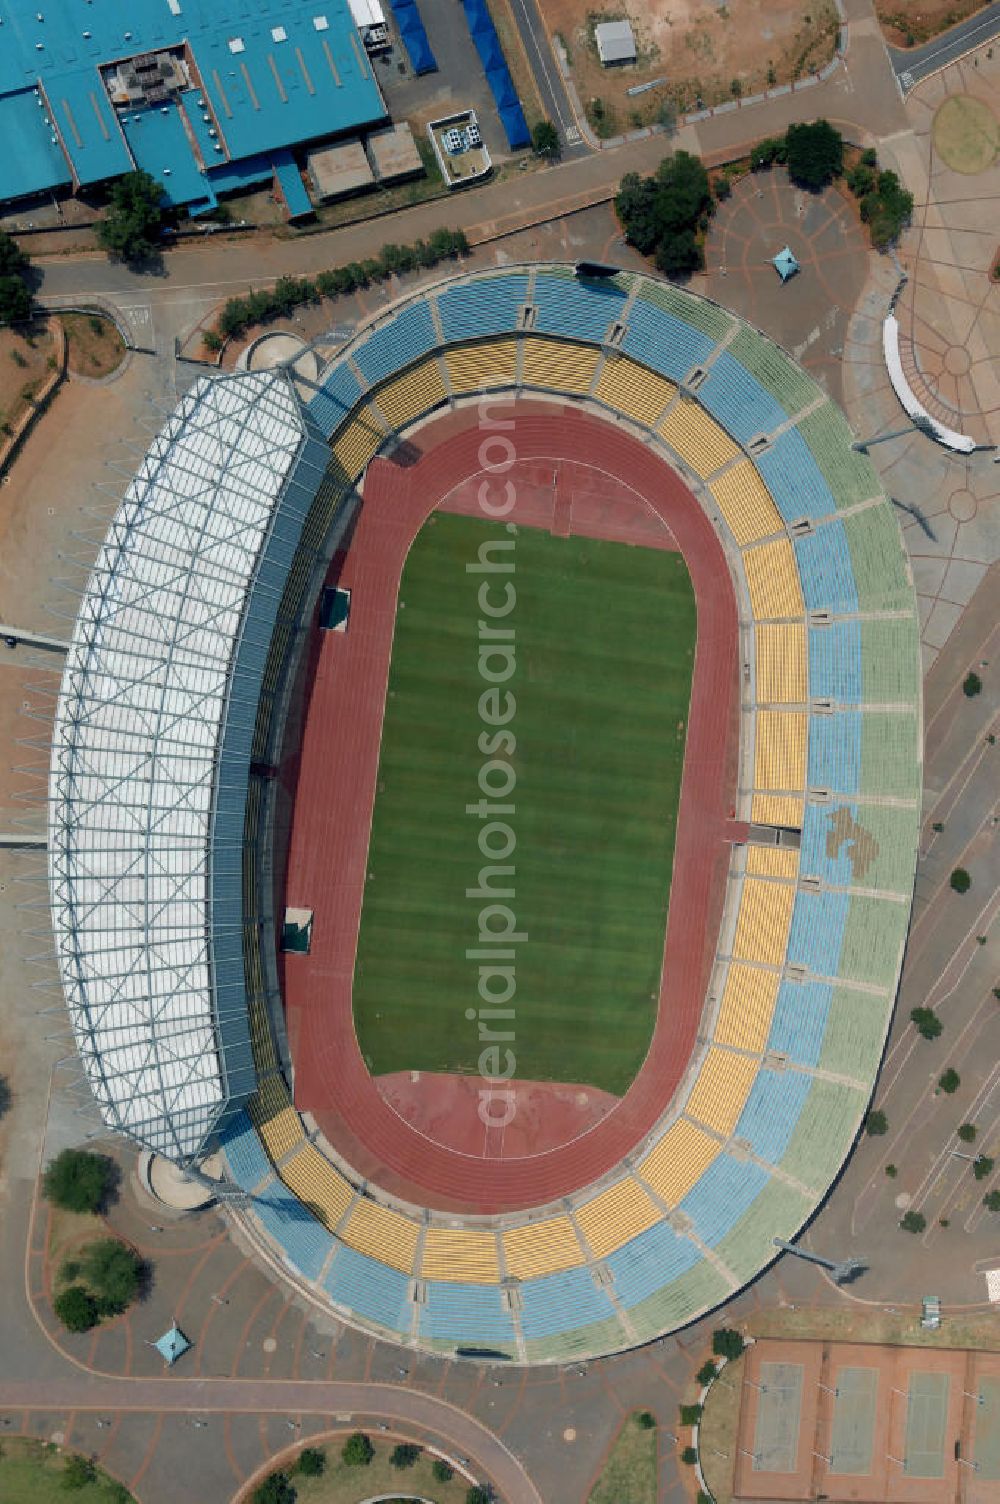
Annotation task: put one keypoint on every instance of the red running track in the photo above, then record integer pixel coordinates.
(335, 787)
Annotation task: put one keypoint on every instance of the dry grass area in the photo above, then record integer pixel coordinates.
(865, 1323)
(911, 23)
(707, 54)
(630, 1471)
(717, 1431)
(94, 347)
(27, 358)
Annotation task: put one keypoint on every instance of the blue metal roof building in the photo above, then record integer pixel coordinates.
(239, 79)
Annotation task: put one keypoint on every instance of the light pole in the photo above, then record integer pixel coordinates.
(920, 424)
(841, 1269)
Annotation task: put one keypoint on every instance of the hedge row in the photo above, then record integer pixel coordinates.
(239, 314)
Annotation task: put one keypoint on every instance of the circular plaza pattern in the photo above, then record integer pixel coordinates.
(219, 557)
(966, 134)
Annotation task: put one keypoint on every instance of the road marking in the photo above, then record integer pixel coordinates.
(544, 62)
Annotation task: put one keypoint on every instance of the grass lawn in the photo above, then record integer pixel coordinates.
(629, 1476)
(31, 1472)
(604, 649)
(94, 346)
(966, 134)
(341, 1484)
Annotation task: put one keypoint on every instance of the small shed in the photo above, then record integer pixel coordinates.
(615, 42)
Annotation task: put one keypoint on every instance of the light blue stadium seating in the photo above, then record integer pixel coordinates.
(245, 1152)
(562, 1302)
(816, 831)
(465, 1314)
(484, 308)
(304, 1241)
(817, 932)
(721, 1196)
(794, 479)
(835, 751)
(580, 310)
(738, 400)
(825, 567)
(397, 344)
(649, 1262)
(370, 1288)
(330, 407)
(835, 663)
(666, 343)
(772, 1110)
(799, 1021)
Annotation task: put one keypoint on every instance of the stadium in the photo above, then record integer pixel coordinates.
(261, 853)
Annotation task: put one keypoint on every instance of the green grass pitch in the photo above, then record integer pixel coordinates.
(604, 644)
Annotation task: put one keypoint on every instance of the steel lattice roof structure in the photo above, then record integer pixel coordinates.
(151, 752)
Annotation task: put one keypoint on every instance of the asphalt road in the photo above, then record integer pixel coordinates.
(911, 64)
(548, 79)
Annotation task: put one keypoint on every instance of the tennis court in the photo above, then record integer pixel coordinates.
(926, 1418)
(776, 1436)
(987, 1420)
(852, 1432)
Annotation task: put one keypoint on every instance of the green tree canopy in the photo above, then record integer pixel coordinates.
(131, 229)
(404, 1454)
(661, 214)
(79, 1181)
(950, 1081)
(876, 1123)
(913, 1222)
(113, 1271)
(727, 1342)
(815, 154)
(357, 1450)
(928, 1024)
(545, 139)
(15, 294)
(312, 1462)
(78, 1472)
(76, 1309)
(275, 1489)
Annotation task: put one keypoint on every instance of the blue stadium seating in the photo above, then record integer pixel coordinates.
(739, 401)
(663, 342)
(721, 1196)
(835, 751)
(245, 1152)
(825, 568)
(483, 308)
(817, 932)
(465, 1314)
(582, 311)
(799, 1021)
(304, 1241)
(649, 1262)
(370, 1288)
(816, 829)
(561, 1302)
(794, 479)
(772, 1110)
(835, 663)
(397, 344)
(341, 391)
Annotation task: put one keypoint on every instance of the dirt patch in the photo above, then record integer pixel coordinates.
(717, 1430)
(704, 54)
(862, 847)
(94, 347)
(27, 359)
(911, 23)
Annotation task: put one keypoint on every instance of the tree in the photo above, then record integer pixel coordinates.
(815, 154)
(545, 139)
(972, 685)
(891, 1171)
(357, 1450)
(927, 1022)
(311, 1463)
(443, 1471)
(982, 1166)
(660, 214)
(706, 1372)
(967, 1132)
(950, 1081)
(79, 1181)
(78, 1472)
(405, 1454)
(876, 1123)
(913, 1222)
(15, 301)
(960, 880)
(727, 1342)
(4, 1096)
(679, 253)
(477, 1494)
(635, 205)
(76, 1309)
(131, 229)
(690, 1415)
(646, 1420)
(275, 1489)
(991, 1201)
(114, 1272)
(690, 1456)
(683, 191)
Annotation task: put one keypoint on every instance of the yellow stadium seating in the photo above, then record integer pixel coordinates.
(697, 438)
(461, 1254)
(777, 809)
(473, 368)
(681, 1157)
(746, 503)
(780, 749)
(762, 925)
(773, 861)
(722, 1087)
(311, 1177)
(413, 393)
(747, 1006)
(277, 1122)
(634, 391)
(781, 664)
(542, 1248)
(357, 441)
(773, 580)
(562, 365)
(382, 1234)
(616, 1215)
